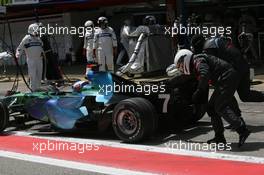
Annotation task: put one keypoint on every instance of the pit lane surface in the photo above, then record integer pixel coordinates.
(147, 157)
(14, 166)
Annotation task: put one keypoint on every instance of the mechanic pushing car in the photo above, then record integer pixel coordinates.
(105, 45)
(225, 50)
(32, 45)
(225, 80)
(198, 45)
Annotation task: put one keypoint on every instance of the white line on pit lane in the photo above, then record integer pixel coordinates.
(212, 155)
(70, 164)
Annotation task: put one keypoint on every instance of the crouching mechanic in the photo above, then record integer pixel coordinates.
(105, 45)
(225, 80)
(32, 45)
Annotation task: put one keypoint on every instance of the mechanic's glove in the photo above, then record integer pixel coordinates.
(197, 96)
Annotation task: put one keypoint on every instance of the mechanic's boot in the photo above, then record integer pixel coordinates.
(217, 139)
(243, 134)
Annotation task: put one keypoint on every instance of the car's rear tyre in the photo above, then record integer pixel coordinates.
(134, 119)
(4, 116)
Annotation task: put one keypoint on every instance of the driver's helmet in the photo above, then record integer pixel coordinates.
(183, 60)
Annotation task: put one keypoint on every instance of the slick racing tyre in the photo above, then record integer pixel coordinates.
(134, 119)
(4, 116)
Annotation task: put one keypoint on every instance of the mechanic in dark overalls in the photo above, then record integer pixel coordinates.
(224, 78)
(225, 50)
(51, 64)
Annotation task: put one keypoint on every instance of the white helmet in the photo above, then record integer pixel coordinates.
(182, 61)
(89, 23)
(102, 22)
(33, 29)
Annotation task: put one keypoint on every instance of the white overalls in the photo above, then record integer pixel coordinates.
(33, 48)
(88, 45)
(104, 42)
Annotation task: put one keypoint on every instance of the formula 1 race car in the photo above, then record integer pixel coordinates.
(135, 108)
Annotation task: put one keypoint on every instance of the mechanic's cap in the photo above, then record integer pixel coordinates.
(197, 43)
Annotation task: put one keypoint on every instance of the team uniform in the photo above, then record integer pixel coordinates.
(222, 103)
(225, 80)
(51, 69)
(33, 48)
(88, 45)
(104, 43)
